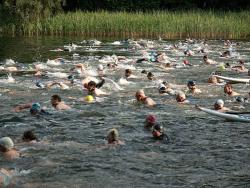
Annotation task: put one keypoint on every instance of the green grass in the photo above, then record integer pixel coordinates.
(169, 25)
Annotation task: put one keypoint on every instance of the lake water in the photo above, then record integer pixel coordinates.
(204, 151)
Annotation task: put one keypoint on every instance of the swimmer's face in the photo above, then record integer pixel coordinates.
(54, 102)
(156, 133)
(150, 77)
(180, 98)
(228, 89)
(191, 87)
(127, 74)
(218, 106)
(139, 96)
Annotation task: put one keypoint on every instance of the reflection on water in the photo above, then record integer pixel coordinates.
(205, 151)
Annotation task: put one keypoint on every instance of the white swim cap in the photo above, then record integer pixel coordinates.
(220, 102)
(100, 67)
(6, 142)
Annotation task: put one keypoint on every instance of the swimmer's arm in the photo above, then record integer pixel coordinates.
(150, 103)
(19, 108)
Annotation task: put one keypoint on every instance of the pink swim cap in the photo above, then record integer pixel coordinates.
(186, 62)
(151, 119)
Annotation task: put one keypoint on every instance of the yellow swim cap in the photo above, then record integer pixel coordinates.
(89, 98)
(222, 67)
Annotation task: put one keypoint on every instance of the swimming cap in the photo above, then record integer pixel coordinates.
(239, 99)
(6, 142)
(158, 127)
(35, 106)
(220, 102)
(71, 77)
(191, 83)
(186, 62)
(151, 119)
(39, 84)
(100, 67)
(89, 98)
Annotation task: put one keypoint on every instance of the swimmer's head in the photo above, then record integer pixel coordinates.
(205, 58)
(150, 120)
(140, 95)
(6, 143)
(113, 136)
(157, 130)
(219, 104)
(35, 108)
(91, 86)
(55, 100)
(71, 78)
(128, 72)
(162, 88)
(89, 98)
(29, 136)
(100, 67)
(240, 99)
(150, 76)
(191, 84)
(180, 97)
(144, 72)
(186, 62)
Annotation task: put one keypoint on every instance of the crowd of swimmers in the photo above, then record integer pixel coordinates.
(93, 89)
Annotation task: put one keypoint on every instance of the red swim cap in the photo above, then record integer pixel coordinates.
(151, 119)
(186, 62)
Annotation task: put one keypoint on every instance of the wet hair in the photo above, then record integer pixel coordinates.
(56, 97)
(191, 83)
(144, 72)
(92, 83)
(205, 57)
(227, 65)
(150, 74)
(29, 135)
(128, 72)
(241, 62)
(113, 135)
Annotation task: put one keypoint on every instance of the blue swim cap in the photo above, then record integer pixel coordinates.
(39, 84)
(71, 77)
(35, 107)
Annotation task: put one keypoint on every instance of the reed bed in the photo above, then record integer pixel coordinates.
(168, 25)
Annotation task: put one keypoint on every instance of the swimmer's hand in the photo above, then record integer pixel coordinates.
(198, 106)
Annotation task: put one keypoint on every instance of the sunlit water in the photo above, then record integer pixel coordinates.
(204, 151)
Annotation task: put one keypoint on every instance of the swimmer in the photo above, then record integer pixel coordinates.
(181, 98)
(208, 61)
(192, 87)
(240, 67)
(188, 53)
(58, 104)
(141, 97)
(186, 62)
(219, 106)
(128, 74)
(7, 148)
(30, 137)
(158, 133)
(100, 70)
(5, 177)
(35, 109)
(150, 76)
(228, 90)
(93, 88)
(150, 121)
(113, 137)
(225, 54)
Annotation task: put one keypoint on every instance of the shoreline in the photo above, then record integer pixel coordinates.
(167, 25)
